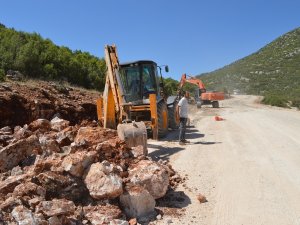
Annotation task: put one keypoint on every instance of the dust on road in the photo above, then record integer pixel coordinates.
(247, 166)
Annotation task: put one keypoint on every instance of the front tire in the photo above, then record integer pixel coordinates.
(215, 104)
(163, 123)
(199, 104)
(173, 120)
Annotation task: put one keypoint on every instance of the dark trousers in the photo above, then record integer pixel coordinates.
(182, 128)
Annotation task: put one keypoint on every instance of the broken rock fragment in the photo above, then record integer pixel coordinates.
(152, 175)
(118, 222)
(137, 202)
(77, 162)
(101, 214)
(66, 136)
(49, 145)
(94, 135)
(58, 124)
(29, 189)
(62, 186)
(201, 198)
(22, 132)
(56, 207)
(9, 204)
(13, 154)
(102, 183)
(23, 216)
(6, 130)
(40, 124)
(139, 152)
(8, 185)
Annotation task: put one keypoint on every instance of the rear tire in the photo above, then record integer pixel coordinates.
(215, 104)
(173, 121)
(163, 123)
(199, 104)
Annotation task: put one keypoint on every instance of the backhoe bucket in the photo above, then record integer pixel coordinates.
(133, 134)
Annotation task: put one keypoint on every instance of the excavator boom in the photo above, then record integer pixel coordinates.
(192, 80)
(204, 96)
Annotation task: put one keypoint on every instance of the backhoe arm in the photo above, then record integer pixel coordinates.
(192, 80)
(113, 97)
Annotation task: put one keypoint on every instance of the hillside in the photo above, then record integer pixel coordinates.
(39, 58)
(274, 69)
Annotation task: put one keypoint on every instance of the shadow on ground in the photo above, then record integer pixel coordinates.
(162, 152)
(174, 199)
(192, 136)
(171, 205)
(206, 142)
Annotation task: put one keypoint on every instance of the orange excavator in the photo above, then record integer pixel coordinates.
(201, 96)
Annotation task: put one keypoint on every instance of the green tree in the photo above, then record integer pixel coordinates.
(171, 86)
(2, 75)
(40, 58)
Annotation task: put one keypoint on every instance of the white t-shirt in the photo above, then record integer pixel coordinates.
(183, 109)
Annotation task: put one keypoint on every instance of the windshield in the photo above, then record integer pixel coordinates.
(138, 82)
(149, 79)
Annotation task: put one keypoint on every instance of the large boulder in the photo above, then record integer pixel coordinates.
(102, 183)
(77, 162)
(137, 202)
(153, 176)
(13, 154)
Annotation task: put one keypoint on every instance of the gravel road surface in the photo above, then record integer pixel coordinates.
(247, 165)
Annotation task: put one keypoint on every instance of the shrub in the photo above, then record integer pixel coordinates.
(275, 100)
(2, 75)
(296, 103)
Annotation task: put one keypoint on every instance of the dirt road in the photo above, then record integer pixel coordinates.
(247, 166)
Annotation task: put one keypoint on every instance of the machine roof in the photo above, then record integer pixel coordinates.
(138, 62)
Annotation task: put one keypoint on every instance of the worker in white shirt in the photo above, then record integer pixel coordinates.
(182, 113)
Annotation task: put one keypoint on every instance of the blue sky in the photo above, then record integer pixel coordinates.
(191, 36)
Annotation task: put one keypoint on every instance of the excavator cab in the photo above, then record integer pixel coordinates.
(139, 80)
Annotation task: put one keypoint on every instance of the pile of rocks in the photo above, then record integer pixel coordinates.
(54, 173)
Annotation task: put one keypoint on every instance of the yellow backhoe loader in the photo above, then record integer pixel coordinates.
(133, 100)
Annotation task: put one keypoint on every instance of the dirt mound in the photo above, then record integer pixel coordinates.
(23, 102)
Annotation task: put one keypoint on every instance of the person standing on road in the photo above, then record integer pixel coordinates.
(182, 113)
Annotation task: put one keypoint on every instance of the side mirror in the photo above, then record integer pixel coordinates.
(161, 84)
(166, 69)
